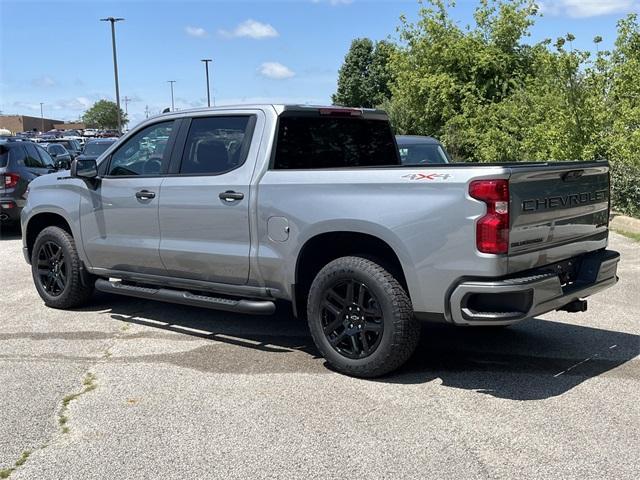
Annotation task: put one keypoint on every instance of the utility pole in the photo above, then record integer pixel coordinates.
(206, 69)
(113, 21)
(126, 104)
(41, 117)
(146, 111)
(172, 106)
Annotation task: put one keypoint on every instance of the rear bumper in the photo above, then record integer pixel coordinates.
(10, 215)
(507, 301)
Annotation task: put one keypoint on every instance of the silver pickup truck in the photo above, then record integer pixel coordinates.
(234, 208)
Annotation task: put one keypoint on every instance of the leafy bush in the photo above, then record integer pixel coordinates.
(625, 188)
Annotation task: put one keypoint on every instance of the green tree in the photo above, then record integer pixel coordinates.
(365, 76)
(621, 106)
(103, 114)
(447, 76)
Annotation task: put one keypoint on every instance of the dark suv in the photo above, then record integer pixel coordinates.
(20, 162)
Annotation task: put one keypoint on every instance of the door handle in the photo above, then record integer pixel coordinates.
(145, 195)
(231, 196)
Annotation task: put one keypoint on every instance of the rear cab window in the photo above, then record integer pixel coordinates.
(314, 140)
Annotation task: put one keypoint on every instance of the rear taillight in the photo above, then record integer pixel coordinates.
(492, 230)
(10, 180)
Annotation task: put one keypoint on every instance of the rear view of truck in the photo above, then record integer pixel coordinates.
(550, 221)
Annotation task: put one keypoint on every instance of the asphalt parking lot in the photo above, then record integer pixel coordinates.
(135, 389)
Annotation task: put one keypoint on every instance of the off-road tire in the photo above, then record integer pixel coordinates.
(401, 331)
(79, 284)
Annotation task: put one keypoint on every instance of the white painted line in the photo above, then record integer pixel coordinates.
(193, 330)
(243, 340)
(147, 320)
(574, 366)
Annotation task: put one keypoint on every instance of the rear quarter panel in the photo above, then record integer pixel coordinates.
(424, 214)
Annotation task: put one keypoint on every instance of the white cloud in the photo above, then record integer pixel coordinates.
(43, 81)
(197, 32)
(588, 8)
(275, 70)
(334, 2)
(251, 29)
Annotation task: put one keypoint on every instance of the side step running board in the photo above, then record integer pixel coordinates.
(253, 307)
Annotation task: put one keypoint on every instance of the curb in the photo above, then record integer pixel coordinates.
(626, 224)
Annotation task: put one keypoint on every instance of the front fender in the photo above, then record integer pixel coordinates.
(58, 196)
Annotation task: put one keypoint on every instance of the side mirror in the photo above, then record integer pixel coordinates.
(53, 155)
(84, 169)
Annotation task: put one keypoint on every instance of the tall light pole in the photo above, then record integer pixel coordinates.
(41, 117)
(172, 82)
(113, 21)
(126, 105)
(206, 69)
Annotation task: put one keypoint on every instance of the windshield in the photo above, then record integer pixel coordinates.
(421, 154)
(96, 148)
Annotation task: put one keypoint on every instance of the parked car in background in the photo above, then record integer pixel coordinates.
(20, 163)
(90, 132)
(61, 156)
(71, 133)
(419, 150)
(110, 133)
(74, 135)
(11, 138)
(73, 146)
(94, 148)
(29, 134)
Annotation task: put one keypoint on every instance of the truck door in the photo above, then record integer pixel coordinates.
(204, 201)
(119, 218)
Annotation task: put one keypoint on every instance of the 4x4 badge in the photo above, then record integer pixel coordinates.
(427, 176)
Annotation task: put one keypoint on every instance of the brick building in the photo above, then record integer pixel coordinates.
(22, 123)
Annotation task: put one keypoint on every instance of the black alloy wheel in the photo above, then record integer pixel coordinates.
(351, 319)
(52, 268)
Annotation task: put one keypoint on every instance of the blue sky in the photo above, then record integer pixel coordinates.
(59, 53)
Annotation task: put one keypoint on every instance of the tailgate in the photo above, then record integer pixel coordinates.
(557, 211)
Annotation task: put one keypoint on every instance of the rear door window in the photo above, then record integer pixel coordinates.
(17, 156)
(33, 159)
(217, 145)
(310, 142)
